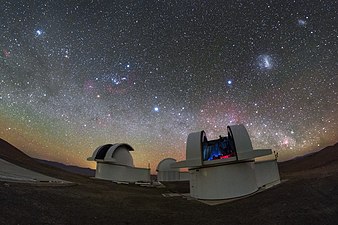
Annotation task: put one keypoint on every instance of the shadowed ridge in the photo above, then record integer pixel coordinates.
(70, 168)
(325, 158)
(13, 155)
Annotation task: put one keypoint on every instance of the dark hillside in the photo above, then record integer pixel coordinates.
(326, 158)
(13, 155)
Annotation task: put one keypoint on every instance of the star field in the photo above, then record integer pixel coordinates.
(78, 74)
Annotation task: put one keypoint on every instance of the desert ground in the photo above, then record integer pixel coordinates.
(308, 194)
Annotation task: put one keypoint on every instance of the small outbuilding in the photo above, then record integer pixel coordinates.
(114, 162)
(225, 168)
(167, 173)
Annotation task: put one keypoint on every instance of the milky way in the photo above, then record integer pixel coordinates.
(78, 74)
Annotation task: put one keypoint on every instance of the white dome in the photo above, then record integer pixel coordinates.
(164, 165)
(114, 154)
(123, 156)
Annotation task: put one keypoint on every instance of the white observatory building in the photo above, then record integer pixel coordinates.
(167, 173)
(114, 162)
(225, 168)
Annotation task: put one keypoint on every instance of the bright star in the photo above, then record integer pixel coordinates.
(39, 32)
(156, 109)
(115, 81)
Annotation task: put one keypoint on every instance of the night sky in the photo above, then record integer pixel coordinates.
(78, 74)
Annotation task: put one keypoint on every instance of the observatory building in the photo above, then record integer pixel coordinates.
(226, 168)
(114, 162)
(167, 173)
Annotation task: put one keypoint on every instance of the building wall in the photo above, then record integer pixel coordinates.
(168, 176)
(173, 176)
(267, 173)
(184, 176)
(224, 181)
(121, 173)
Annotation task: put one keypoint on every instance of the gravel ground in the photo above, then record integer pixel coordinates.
(308, 195)
(300, 200)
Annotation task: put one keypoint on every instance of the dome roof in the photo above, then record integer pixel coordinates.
(114, 153)
(164, 165)
(122, 156)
